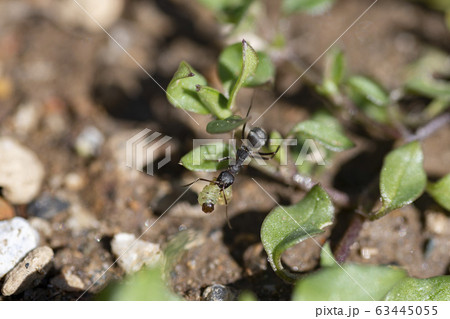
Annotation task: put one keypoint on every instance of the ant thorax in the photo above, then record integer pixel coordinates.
(256, 138)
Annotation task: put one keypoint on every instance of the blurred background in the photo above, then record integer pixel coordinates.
(74, 88)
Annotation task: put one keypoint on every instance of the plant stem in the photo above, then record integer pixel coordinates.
(351, 234)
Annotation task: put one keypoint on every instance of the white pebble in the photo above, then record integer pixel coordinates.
(17, 238)
(87, 13)
(134, 255)
(21, 172)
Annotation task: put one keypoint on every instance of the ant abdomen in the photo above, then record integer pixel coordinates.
(211, 195)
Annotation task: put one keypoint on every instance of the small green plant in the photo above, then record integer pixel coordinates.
(402, 179)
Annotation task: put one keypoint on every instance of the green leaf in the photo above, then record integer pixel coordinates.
(369, 89)
(181, 91)
(249, 65)
(215, 101)
(330, 137)
(429, 87)
(247, 295)
(369, 96)
(286, 226)
(230, 68)
(146, 284)
(230, 11)
(205, 157)
(326, 256)
(310, 6)
(334, 73)
(226, 125)
(349, 282)
(413, 289)
(402, 177)
(440, 191)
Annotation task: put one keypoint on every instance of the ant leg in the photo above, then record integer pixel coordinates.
(223, 159)
(259, 155)
(226, 208)
(199, 179)
(270, 153)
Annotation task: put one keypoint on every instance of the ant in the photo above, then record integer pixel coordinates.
(220, 187)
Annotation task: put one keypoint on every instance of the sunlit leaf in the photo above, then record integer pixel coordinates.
(204, 158)
(328, 136)
(181, 91)
(286, 226)
(230, 67)
(249, 65)
(440, 191)
(348, 282)
(402, 177)
(413, 289)
(145, 285)
(226, 125)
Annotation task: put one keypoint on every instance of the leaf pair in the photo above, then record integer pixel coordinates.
(239, 66)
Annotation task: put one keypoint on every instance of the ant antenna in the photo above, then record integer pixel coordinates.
(246, 116)
(226, 209)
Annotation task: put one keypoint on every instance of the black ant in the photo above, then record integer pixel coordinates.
(210, 195)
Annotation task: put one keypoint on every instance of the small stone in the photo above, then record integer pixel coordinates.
(89, 142)
(6, 211)
(29, 272)
(218, 292)
(21, 172)
(437, 223)
(68, 280)
(74, 182)
(136, 253)
(47, 206)
(26, 118)
(17, 238)
(103, 12)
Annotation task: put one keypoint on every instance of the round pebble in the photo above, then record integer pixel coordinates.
(218, 292)
(89, 142)
(47, 206)
(17, 238)
(29, 272)
(21, 172)
(134, 253)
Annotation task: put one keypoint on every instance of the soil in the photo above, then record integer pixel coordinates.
(75, 76)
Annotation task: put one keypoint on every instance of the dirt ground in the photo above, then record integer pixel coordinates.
(71, 75)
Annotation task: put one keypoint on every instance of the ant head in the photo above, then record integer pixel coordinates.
(257, 137)
(208, 207)
(225, 179)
